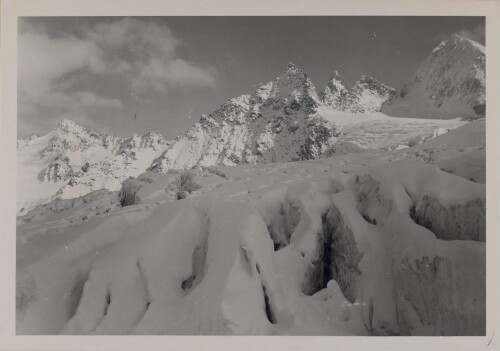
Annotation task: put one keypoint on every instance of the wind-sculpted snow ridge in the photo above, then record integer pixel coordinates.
(72, 161)
(337, 246)
(450, 83)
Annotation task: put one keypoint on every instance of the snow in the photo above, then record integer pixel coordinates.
(284, 120)
(72, 161)
(123, 271)
(367, 95)
(284, 212)
(461, 151)
(29, 188)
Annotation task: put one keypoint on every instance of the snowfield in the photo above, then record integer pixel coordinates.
(371, 243)
(284, 212)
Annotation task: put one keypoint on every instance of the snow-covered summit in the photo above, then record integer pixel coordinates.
(367, 95)
(450, 83)
(73, 160)
(25, 141)
(293, 86)
(335, 94)
(278, 123)
(72, 137)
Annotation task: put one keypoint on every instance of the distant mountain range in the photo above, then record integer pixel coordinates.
(284, 120)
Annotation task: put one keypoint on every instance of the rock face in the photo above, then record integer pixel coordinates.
(450, 83)
(278, 123)
(367, 95)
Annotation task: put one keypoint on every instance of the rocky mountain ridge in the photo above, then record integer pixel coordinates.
(367, 95)
(280, 122)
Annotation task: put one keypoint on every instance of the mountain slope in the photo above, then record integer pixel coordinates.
(284, 120)
(278, 123)
(72, 161)
(450, 83)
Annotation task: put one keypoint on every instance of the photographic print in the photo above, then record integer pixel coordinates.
(264, 175)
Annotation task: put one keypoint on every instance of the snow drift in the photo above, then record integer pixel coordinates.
(283, 212)
(323, 248)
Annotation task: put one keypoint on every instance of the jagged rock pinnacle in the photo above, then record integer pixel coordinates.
(291, 66)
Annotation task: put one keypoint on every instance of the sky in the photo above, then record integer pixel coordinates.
(101, 71)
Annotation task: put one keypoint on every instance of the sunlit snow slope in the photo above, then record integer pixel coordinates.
(374, 243)
(72, 161)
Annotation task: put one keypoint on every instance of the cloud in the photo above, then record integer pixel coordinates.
(54, 70)
(147, 52)
(159, 74)
(477, 33)
(42, 61)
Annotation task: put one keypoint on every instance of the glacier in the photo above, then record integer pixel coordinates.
(289, 211)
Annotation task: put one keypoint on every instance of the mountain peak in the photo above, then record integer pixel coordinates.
(292, 70)
(455, 41)
(69, 126)
(365, 79)
(459, 38)
(367, 95)
(452, 78)
(66, 123)
(335, 75)
(25, 141)
(335, 82)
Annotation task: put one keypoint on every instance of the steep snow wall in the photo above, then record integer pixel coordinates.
(342, 256)
(465, 221)
(378, 255)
